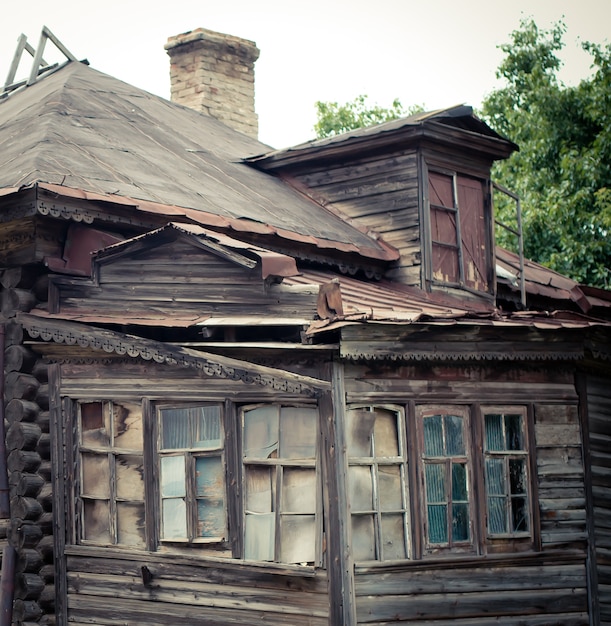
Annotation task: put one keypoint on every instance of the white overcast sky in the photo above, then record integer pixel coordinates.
(435, 53)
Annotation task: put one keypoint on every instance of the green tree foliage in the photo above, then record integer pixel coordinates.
(562, 172)
(334, 119)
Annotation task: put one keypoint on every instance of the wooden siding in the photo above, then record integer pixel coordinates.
(599, 422)
(544, 584)
(380, 194)
(532, 593)
(105, 587)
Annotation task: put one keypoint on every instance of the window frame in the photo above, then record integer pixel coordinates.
(431, 166)
(373, 461)
(278, 466)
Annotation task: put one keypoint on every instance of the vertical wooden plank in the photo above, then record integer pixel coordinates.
(61, 473)
(151, 475)
(534, 482)
(591, 563)
(340, 565)
(233, 456)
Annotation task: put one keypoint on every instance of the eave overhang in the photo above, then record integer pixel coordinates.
(208, 364)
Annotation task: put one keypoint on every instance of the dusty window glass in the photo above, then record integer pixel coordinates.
(506, 472)
(191, 474)
(446, 477)
(377, 483)
(110, 492)
(280, 478)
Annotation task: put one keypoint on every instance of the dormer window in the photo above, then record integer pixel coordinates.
(460, 231)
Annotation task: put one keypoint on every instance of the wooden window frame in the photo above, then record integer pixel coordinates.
(279, 465)
(374, 462)
(429, 243)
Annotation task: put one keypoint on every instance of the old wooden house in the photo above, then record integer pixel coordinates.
(291, 387)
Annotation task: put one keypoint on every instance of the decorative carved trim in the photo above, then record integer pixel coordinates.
(438, 355)
(71, 333)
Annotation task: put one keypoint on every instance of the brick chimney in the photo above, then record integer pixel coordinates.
(214, 74)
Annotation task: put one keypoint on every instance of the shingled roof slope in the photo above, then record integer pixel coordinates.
(85, 130)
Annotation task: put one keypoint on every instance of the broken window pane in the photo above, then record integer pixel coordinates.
(259, 536)
(298, 538)
(460, 521)
(96, 518)
(360, 424)
(361, 487)
(517, 476)
(519, 514)
(95, 426)
(261, 432)
(390, 487)
(260, 488)
(298, 490)
(393, 537)
(210, 488)
(363, 542)
(130, 524)
(299, 426)
(127, 419)
(459, 482)
(129, 472)
(455, 443)
(515, 437)
(95, 475)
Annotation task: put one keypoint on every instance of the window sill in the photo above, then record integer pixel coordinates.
(460, 561)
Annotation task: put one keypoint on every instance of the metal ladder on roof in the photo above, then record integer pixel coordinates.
(39, 65)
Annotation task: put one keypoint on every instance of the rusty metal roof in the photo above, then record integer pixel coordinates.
(84, 134)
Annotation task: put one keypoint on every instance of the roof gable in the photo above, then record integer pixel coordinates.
(183, 276)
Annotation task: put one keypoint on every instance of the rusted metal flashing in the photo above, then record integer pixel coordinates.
(212, 365)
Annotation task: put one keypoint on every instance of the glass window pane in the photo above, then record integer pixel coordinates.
(495, 477)
(206, 421)
(96, 515)
(210, 517)
(259, 537)
(260, 488)
(386, 434)
(95, 427)
(298, 538)
(96, 475)
(455, 443)
(175, 432)
(261, 432)
(363, 538)
(174, 518)
(437, 523)
(359, 432)
(436, 491)
(173, 476)
(493, 424)
(497, 516)
(129, 471)
(460, 522)
(360, 486)
(393, 537)
(514, 430)
(130, 524)
(459, 482)
(298, 430)
(298, 490)
(517, 476)
(390, 488)
(433, 436)
(519, 514)
(209, 477)
(127, 420)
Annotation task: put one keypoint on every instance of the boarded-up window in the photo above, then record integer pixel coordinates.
(460, 231)
(506, 472)
(192, 474)
(445, 465)
(377, 483)
(280, 479)
(110, 497)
